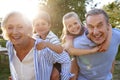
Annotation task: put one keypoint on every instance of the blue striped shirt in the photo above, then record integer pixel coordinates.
(43, 60)
(97, 66)
(51, 37)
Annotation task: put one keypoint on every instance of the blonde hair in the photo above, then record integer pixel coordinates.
(65, 31)
(5, 20)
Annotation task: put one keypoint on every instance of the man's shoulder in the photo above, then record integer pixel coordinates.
(82, 37)
(116, 31)
(83, 40)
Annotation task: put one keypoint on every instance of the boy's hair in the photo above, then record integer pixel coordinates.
(42, 15)
(97, 12)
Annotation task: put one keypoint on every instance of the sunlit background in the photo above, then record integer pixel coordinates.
(27, 7)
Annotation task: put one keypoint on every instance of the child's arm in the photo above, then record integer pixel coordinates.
(79, 52)
(113, 66)
(105, 45)
(57, 48)
(74, 69)
(75, 51)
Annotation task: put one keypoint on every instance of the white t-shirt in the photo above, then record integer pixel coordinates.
(25, 69)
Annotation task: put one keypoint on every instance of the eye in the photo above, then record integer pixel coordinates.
(9, 27)
(100, 25)
(75, 23)
(36, 25)
(43, 24)
(90, 26)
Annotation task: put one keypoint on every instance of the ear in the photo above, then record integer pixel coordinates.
(109, 26)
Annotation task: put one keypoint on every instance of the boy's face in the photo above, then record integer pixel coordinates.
(73, 25)
(41, 26)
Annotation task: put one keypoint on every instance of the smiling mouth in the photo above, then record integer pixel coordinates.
(15, 38)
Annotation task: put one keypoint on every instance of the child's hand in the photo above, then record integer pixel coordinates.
(9, 78)
(95, 49)
(103, 48)
(41, 45)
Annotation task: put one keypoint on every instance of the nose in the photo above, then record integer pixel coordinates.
(96, 31)
(15, 30)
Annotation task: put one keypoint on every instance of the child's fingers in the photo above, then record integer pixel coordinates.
(41, 45)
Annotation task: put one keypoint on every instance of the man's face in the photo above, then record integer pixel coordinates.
(97, 28)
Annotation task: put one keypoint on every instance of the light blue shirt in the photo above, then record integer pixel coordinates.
(43, 63)
(97, 66)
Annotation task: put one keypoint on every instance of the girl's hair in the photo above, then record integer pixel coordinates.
(12, 14)
(65, 31)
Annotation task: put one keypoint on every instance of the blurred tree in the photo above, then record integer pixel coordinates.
(113, 10)
(91, 4)
(57, 8)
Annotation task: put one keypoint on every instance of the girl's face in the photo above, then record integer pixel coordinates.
(73, 25)
(41, 26)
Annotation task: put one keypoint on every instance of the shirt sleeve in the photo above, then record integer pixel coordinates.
(65, 62)
(52, 38)
(117, 32)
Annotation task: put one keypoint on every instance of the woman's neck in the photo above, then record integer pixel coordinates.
(25, 45)
(24, 49)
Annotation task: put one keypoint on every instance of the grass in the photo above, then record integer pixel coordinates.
(2, 42)
(4, 68)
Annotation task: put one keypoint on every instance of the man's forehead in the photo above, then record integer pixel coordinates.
(95, 19)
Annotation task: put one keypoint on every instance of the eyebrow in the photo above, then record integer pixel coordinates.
(97, 23)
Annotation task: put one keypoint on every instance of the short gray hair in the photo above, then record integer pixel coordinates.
(96, 12)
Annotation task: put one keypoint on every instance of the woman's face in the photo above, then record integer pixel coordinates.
(17, 30)
(73, 25)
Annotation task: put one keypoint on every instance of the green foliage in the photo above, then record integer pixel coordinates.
(4, 67)
(118, 55)
(113, 10)
(58, 8)
(2, 42)
(92, 4)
